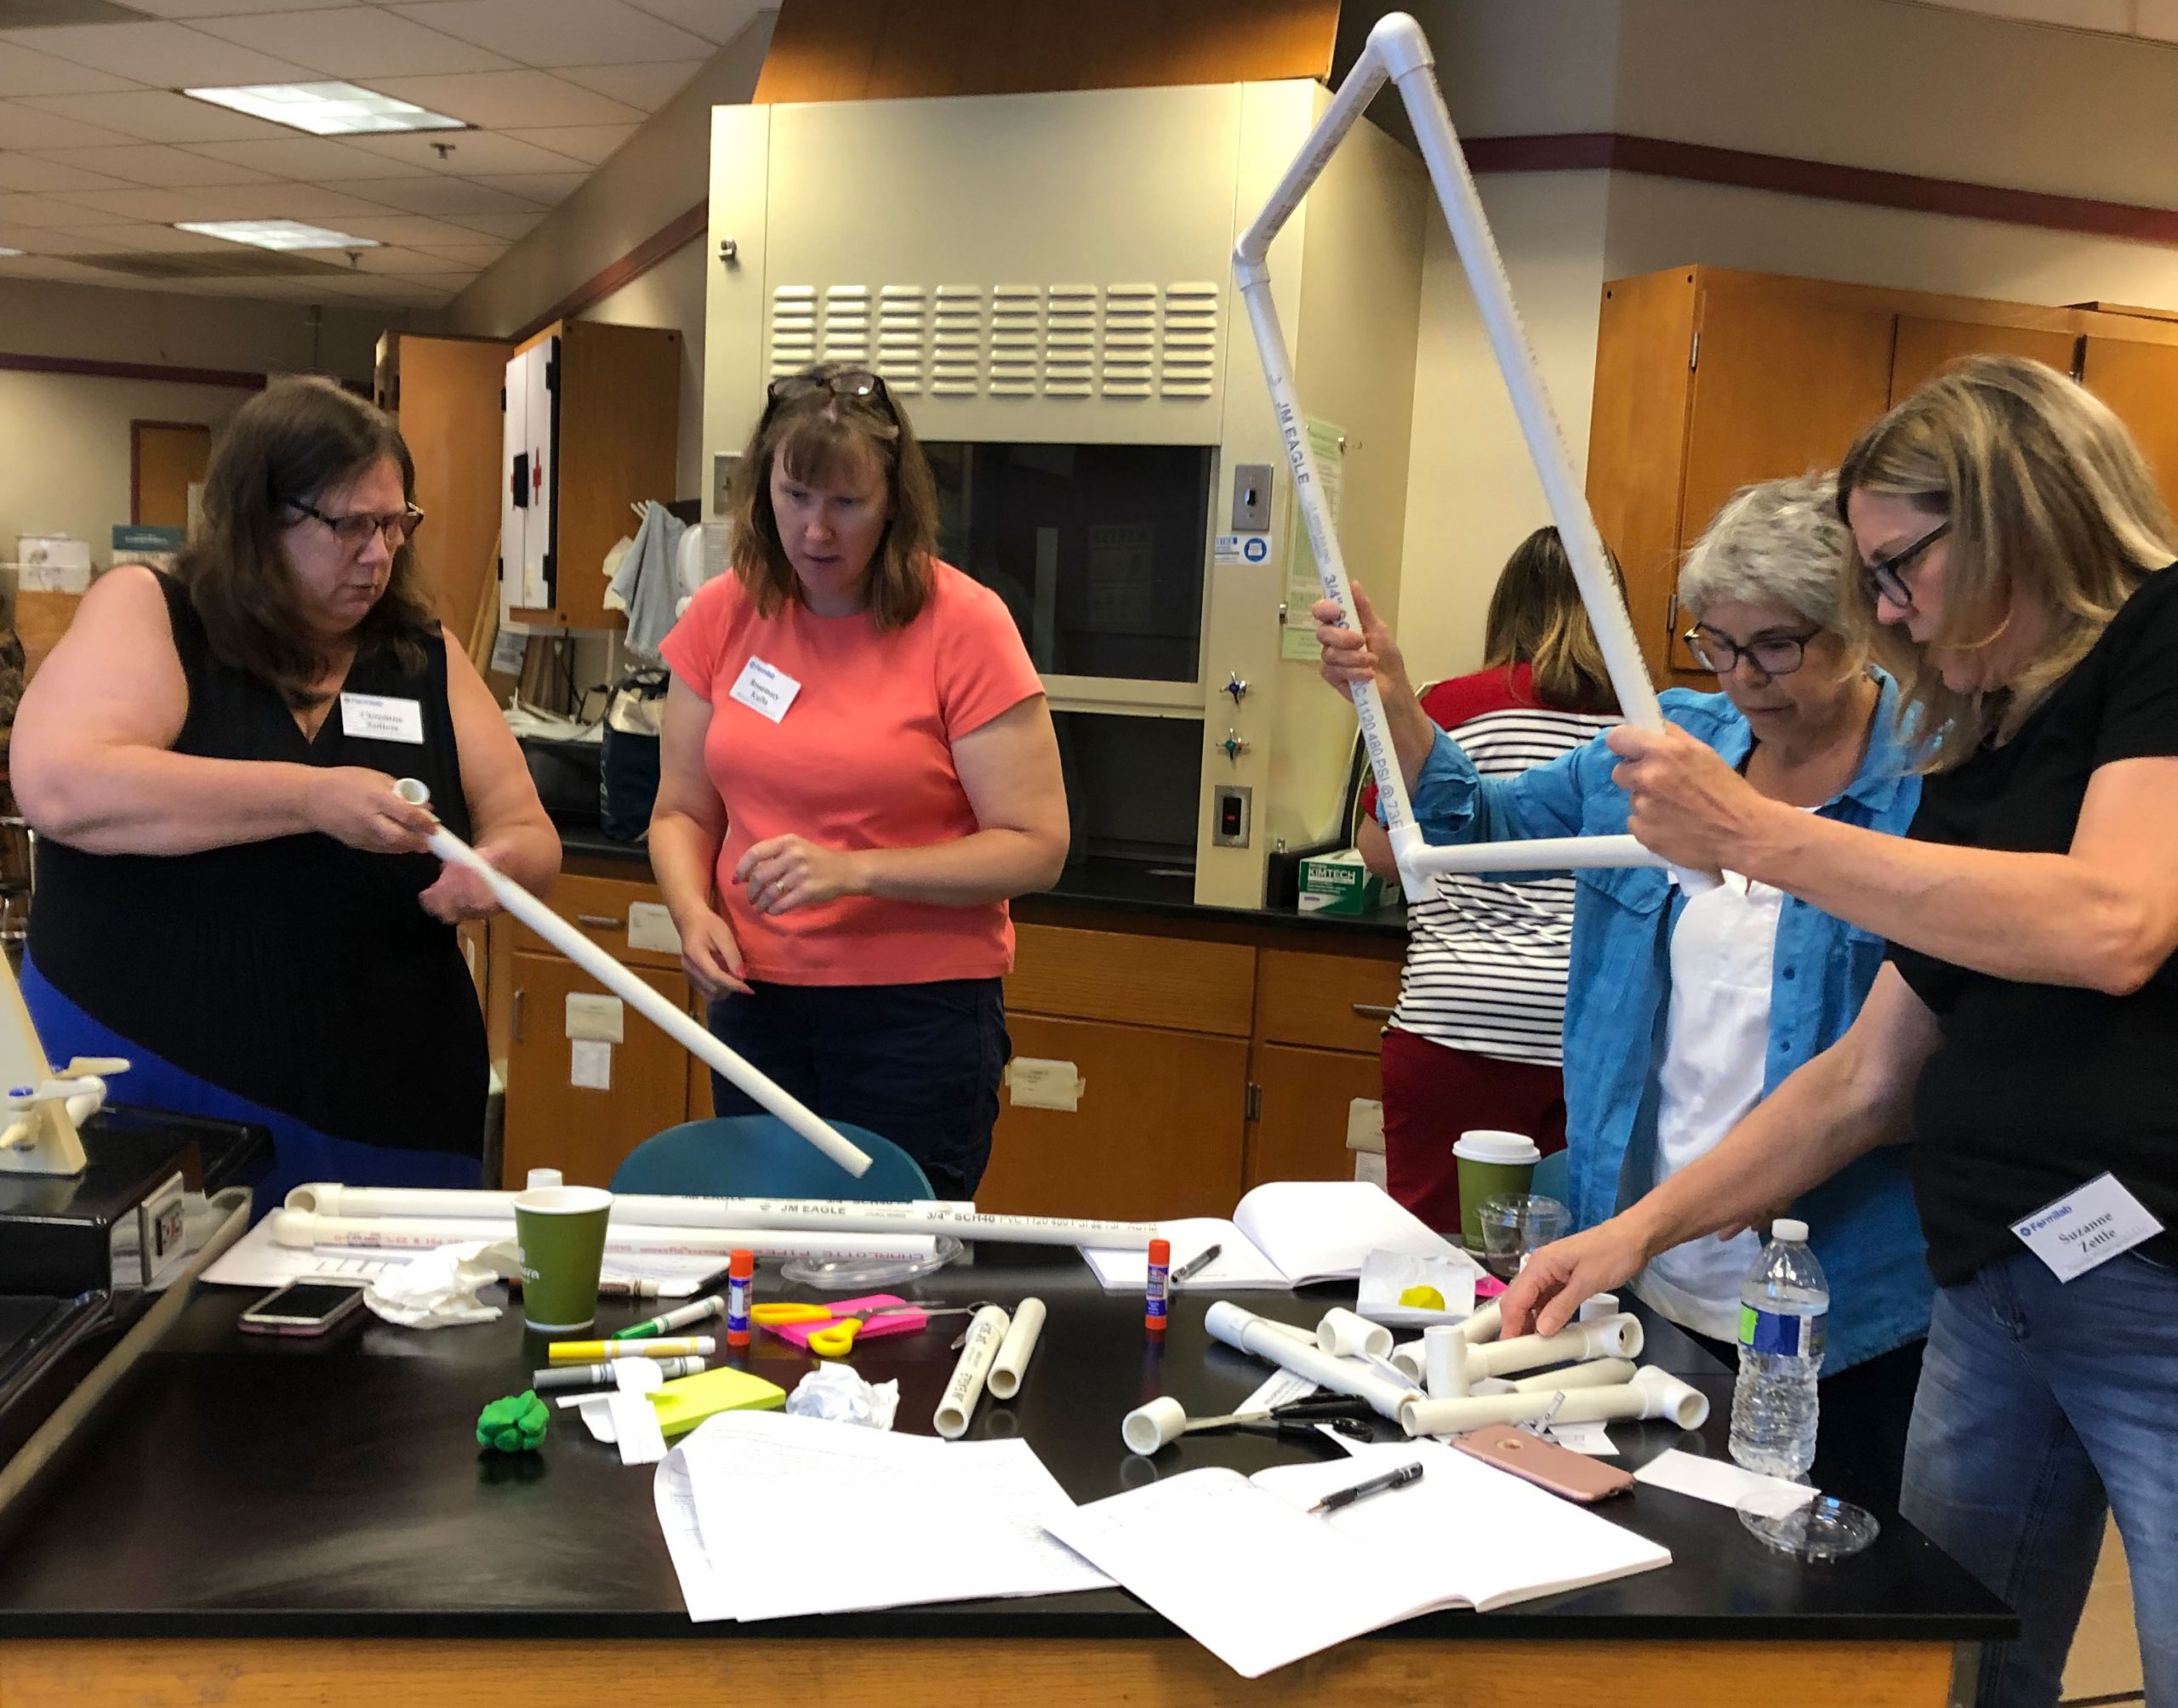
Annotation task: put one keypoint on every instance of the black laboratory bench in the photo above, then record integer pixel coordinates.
(251, 1520)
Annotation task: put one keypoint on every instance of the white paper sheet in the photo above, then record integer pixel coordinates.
(703, 1589)
(1284, 1234)
(855, 1518)
(1715, 1480)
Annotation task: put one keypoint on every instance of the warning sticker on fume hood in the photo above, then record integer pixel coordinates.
(1240, 548)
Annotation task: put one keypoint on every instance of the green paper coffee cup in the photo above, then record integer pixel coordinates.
(560, 1232)
(1491, 1163)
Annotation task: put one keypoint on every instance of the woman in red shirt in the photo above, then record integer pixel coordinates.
(858, 769)
(1474, 1040)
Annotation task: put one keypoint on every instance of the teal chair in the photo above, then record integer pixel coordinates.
(1553, 1178)
(760, 1156)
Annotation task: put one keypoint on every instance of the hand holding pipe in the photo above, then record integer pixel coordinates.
(1652, 1393)
(1606, 1337)
(632, 990)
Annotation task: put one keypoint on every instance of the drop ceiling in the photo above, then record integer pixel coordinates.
(99, 155)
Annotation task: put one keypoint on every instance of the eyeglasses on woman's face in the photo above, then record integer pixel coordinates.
(1774, 655)
(355, 529)
(1886, 578)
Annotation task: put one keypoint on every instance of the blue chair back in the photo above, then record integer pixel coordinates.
(760, 1156)
(1553, 1178)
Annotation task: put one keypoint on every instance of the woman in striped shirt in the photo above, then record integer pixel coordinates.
(1482, 996)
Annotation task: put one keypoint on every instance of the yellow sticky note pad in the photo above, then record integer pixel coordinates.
(686, 1402)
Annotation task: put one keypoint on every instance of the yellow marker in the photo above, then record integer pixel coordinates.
(595, 1351)
(1422, 1299)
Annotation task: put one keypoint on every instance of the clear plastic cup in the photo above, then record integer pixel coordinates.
(1514, 1224)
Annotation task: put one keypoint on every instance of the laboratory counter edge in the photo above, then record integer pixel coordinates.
(236, 1490)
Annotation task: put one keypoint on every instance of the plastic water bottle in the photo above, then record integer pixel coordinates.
(1784, 1304)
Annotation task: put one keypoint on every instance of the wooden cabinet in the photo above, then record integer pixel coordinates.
(1708, 379)
(444, 392)
(1301, 1102)
(596, 432)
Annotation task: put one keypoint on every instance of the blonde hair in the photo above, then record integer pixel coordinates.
(1537, 618)
(821, 437)
(2048, 499)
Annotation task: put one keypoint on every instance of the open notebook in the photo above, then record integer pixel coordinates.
(1241, 1565)
(1284, 1234)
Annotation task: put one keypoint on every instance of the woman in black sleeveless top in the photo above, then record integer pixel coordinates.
(229, 894)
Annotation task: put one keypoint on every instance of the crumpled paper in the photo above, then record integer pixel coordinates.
(438, 1290)
(836, 1393)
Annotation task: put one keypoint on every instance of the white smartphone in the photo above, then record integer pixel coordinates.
(304, 1307)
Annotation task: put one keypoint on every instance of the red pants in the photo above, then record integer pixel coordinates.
(1433, 1094)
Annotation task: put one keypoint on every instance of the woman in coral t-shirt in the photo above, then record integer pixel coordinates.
(858, 769)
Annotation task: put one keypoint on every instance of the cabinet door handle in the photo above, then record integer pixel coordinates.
(601, 922)
(1373, 1011)
(515, 1023)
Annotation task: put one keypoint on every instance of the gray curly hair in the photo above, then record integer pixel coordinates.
(1774, 543)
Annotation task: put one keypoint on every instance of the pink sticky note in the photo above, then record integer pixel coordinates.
(900, 1322)
(1488, 1287)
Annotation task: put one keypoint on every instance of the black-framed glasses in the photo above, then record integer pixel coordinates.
(355, 531)
(1774, 655)
(1886, 578)
(856, 382)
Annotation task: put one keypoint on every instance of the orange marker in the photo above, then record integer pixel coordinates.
(740, 1284)
(1161, 1266)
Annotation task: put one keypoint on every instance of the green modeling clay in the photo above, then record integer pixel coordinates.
(514, 1425)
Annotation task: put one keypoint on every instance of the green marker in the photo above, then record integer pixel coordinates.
(697, 1312)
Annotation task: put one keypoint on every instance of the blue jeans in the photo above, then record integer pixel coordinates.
(2043, 1405)
(918, 1064)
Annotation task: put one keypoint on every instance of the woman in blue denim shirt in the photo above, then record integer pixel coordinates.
(1681, 1015)
(2015, 573)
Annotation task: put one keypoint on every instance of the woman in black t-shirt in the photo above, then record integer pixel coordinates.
(2016, 579)
(229, 893)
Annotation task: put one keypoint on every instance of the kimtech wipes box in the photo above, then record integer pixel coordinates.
(1339, 884)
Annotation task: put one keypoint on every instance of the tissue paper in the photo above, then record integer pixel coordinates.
(438, 1290)
(834, 1392)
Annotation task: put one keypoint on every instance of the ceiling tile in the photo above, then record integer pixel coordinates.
(591, 144)
(504, 226)
(151, 162)
(477, 254)
(268, 201)
(45, 210)
(393, 258)
(508, 101)
(440, 196)
(544, 188)
(165, 56)
(190, 9)
(25, 71)
(34, 172)
(717, 21)
(26, 125)
(154, 116)
(469, 153)
(142, 235)
(313, 159)
(354, 42)
(648, 87)
(409, 229)
(39, 240)
(564, 32)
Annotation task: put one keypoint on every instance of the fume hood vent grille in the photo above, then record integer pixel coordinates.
(1122, 341)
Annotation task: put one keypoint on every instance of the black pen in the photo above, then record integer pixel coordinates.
(1194, 1266)
(1375, 1485)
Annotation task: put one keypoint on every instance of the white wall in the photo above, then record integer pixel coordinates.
(64, 449)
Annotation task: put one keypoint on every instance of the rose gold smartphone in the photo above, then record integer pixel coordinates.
(1544, 1463)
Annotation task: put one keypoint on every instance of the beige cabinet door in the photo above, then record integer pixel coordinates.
(1300, 1128)
(1156, 1131)
(584, 1130)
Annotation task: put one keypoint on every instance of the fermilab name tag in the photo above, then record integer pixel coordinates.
(381, 718)
(2088, 1227)
(766, 689)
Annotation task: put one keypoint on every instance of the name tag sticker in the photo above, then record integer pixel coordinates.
(381, 718)
(2099, 1221)
(766, 689)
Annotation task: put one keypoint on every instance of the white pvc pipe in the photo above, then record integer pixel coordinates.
(1652, 1393)
(1597, 1373)
(1345, 1335)
(1015, 1351)
(1149, 1428)
(1397, 49)
(1598, 1304)
(1482, 1325)
(1258, 1337)
(837, 1215)
(639, 996)
(302, 1229)
(985, 1335)
(1607, 1337)
(1444, 1362)
(1535, 854)
(1410, 1358)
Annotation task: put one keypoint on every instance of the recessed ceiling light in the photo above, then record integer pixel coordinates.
(327, 109)
(4, 253)
(276, 234)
